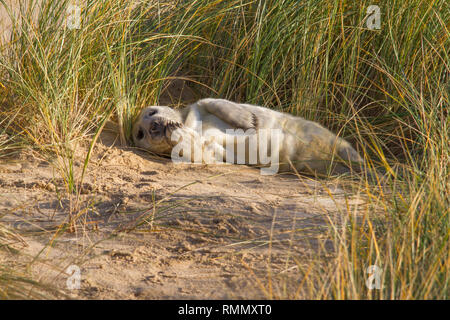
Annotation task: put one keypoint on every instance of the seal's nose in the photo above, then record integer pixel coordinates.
(156, 128)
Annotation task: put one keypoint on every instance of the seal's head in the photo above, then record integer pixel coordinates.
(153, 129)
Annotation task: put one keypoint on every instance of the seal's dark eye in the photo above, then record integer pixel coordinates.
(151, 113)
(140, 134)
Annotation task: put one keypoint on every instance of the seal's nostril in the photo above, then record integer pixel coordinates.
(155, 127)
(140, 134)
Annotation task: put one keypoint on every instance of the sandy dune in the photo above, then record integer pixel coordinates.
(221, 232)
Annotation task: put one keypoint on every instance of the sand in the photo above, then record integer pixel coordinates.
(148, 228)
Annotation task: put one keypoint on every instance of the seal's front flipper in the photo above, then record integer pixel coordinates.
(236, 115)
